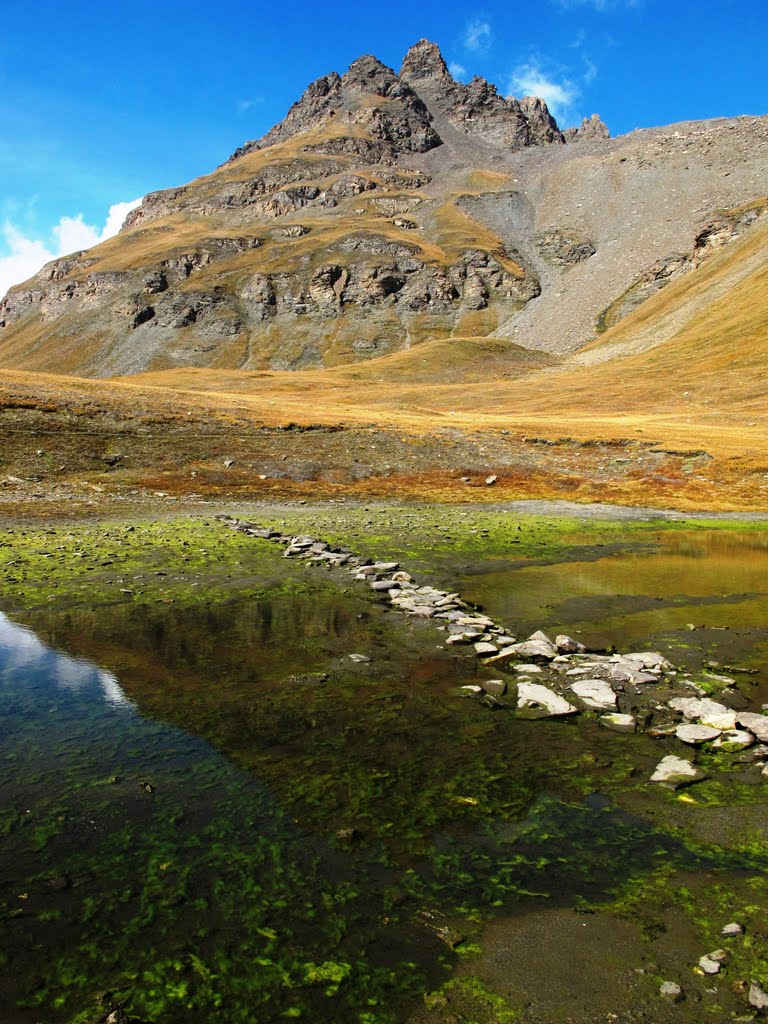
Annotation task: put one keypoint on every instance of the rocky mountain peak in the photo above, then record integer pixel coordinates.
(424, 60)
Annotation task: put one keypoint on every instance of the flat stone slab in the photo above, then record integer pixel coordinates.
(484, 648)
(535, 697)
(696, 734)
(675, 771)
(596, 694)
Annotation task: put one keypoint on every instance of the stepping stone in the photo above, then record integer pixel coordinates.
(484, 648)
(675, 772)
(540, 698)
(595, 693)
(696, 734)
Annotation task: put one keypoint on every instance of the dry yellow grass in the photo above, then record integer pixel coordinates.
(686, 372)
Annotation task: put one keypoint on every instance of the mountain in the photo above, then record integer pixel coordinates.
(387, 210)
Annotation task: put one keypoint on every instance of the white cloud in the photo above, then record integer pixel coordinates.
(478, 35)
(531, 80)
(458, 70)
(28, 255)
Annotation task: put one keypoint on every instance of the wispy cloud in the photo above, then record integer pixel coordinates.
(532, 80)
(26, 255)
(244, 106)
(590, 70)
(478, 35)
(458, 70)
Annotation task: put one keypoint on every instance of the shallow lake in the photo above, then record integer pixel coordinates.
(209, 811)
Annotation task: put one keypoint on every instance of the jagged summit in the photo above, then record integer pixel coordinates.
(384, 210)
(400, 111)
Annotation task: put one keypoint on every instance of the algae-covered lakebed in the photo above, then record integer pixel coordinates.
(209, 811)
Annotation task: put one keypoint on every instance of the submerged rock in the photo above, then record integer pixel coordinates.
(618, 722)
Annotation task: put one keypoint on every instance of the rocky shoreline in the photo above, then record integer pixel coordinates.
(545, 678)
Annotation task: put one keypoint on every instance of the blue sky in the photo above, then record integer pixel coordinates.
(102, 103)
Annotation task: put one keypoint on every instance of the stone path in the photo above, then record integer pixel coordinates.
(546, 678)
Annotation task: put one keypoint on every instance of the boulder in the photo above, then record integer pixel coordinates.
(496, 687)
(618, 722)
(730, 931)
(535, 650)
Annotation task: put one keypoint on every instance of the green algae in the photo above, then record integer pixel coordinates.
(378, 795)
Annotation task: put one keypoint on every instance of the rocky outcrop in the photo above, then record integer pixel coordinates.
(562, 247)
(478, 108)
(591, 129)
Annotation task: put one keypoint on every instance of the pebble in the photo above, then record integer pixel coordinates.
(359, 659)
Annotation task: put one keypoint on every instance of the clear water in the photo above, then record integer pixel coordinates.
(211, 811)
